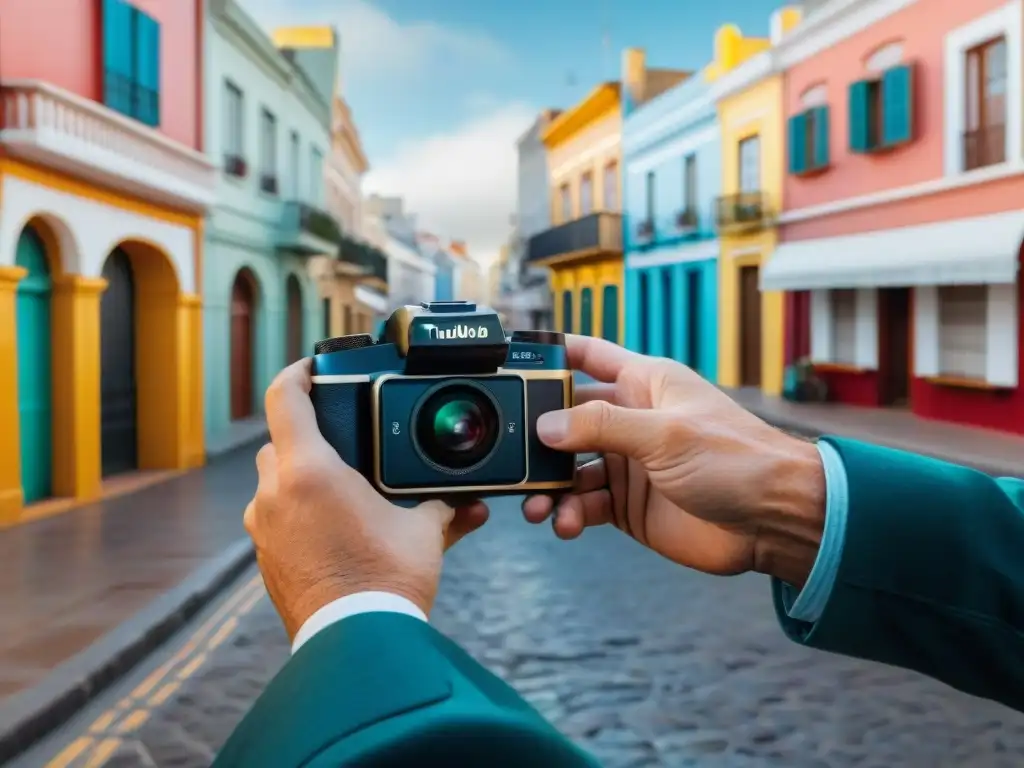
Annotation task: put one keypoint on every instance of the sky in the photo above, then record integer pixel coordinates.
(441, 89)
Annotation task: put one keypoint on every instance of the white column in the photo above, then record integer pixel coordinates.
(866, 351)
(926, 331)
(821, 326)
(1001, 343)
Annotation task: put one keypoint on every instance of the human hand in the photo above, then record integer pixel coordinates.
(322, 532)
(685, 471)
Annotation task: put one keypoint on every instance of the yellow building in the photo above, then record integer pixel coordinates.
(750, 113)
(101, 232)
(583, 248)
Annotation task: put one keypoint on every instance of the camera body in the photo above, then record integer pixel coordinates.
(444, 405)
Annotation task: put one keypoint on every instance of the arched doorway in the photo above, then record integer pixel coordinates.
(35, 411)
(119, 433)
(294, 330)
(243, 341)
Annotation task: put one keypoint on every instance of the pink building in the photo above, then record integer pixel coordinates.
(900, 238)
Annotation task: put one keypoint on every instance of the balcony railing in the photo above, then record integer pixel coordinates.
(363, 259)
(741, 211)
(597, 233)
(53, 127)
(686, 220)
(984, 146)
(308, 231)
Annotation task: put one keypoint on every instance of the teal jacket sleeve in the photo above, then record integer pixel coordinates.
(931, 573)
(382, 689)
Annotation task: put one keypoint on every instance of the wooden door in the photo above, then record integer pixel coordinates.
(693, 319)
(750, 328)
(119, 433)
(243, 335)
(294, 329)
(894, 345)
(35, 413)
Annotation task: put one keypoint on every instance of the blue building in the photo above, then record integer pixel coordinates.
(671, 158)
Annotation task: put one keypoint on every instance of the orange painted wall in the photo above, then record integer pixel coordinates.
(72, 55)
(922, 28)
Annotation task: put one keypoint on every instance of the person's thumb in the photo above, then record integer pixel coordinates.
(600, 427)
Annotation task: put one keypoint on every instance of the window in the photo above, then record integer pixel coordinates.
(750, 164)
(963, 312)
(642, 305)
(316, 174)
(294, 163)
(881, 110)
(808, 141)
(844, 326)
(567, 311)
(131, 62)
(234, 121)
(668, 312)
(565, 203)
(346, 319)
(985, 84)
(586, 193)
(268, 152)
(650, 197)
(587, 312)
(690, 182)
(611, 186)
(610, 313)
(327, 318)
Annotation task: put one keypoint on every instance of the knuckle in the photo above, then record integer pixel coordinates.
(599, 418)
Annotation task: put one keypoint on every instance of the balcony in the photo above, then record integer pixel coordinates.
(361, 259)
(984, 146)
(593, 235)
(58, 129)
(741, 212)
(308, 231)
(687, 221)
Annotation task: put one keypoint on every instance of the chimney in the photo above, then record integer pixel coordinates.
(634, 71)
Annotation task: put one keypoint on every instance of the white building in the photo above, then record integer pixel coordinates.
(411, 274)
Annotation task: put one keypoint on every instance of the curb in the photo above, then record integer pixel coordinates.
(31, 715)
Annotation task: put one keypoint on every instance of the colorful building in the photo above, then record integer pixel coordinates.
(583, 248)
(672, 158)
(103, 187)
(267, 122)
(901, 237)
(748, 92)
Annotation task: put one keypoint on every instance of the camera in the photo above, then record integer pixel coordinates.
(444, 405)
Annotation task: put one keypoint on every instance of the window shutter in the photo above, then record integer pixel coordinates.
(587, 312)
(147, 68)
(821, 156)
(567, 311)
(117, 56)
(897, 107)
(610, 313)
(859, 116)
(798, 143)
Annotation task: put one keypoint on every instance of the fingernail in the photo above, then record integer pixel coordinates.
(553, 426)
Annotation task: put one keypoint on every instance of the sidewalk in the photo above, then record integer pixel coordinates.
(85, 594)
(996, 453)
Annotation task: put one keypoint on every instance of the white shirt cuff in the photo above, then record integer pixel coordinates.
(351, 605)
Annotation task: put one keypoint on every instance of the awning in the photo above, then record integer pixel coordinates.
(971, 251)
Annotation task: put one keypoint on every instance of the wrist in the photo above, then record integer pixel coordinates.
(790, 514)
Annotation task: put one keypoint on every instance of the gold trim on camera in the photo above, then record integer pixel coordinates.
(568, 392)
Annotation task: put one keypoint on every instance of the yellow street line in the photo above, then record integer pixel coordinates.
(133, 713)
(103, 753)
(70, 753)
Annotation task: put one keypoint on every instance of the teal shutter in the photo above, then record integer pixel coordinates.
(117, 56)
(821, 157)
(798, 143)
(897, 106)
(610, 313)
(147, 69)
(859, 116)
(567, 311)
(587, 312)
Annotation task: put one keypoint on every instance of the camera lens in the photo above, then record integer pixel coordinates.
(457, 426)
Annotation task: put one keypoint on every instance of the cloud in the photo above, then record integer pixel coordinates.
(462, 184)
(374, 45)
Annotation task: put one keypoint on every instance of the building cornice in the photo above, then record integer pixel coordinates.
(602, 101)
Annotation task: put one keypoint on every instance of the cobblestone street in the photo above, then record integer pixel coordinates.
(640, 661)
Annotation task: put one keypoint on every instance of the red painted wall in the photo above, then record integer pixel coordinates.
(851, 387)
(60, 41)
